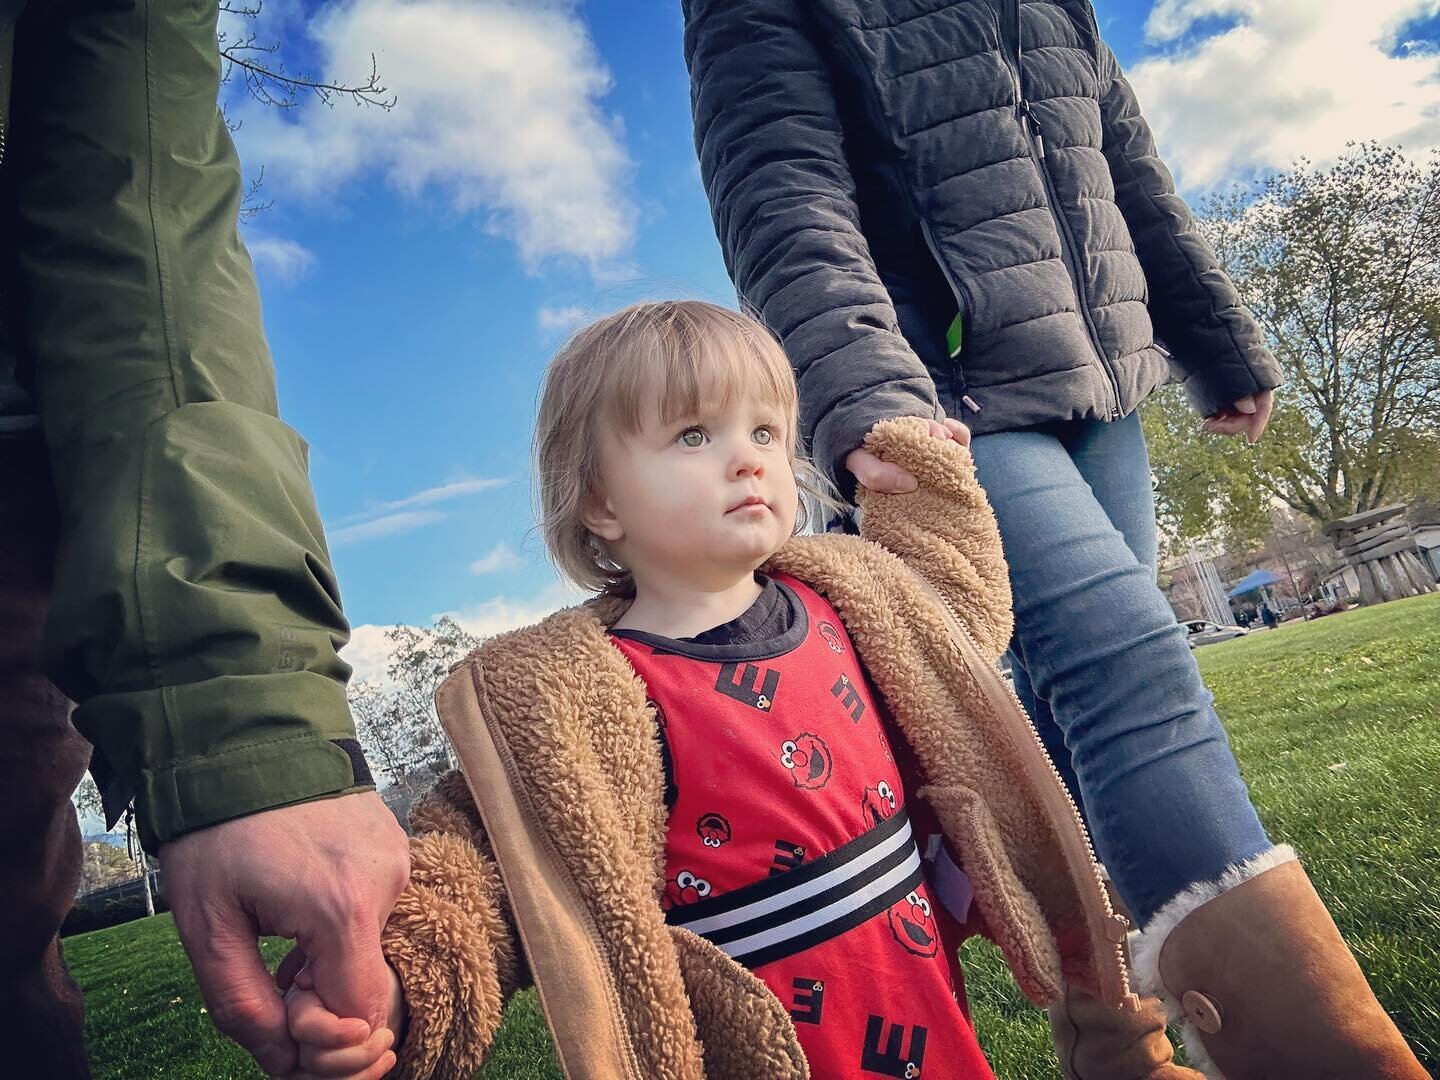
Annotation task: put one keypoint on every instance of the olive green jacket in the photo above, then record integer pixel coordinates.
(195, 618)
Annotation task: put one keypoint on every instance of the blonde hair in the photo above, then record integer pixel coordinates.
(610, 374)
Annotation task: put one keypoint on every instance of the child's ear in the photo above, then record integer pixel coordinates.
(600, 519)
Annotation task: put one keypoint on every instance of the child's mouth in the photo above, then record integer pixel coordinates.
(754, 502)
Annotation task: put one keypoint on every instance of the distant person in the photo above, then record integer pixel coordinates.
(1268, 616)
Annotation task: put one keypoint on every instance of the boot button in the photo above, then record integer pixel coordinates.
(1201, 1011)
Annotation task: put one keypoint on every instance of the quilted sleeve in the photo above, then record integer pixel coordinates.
(771, 154)
(1217, 347)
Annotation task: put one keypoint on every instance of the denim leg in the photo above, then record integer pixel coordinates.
(1051, 734)
(1113, 460)
(1161, 790)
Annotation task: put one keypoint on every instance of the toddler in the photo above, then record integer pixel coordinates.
(732, 817)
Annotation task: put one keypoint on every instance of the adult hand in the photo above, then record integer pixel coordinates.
(890, 479)
(1247, 417)
(323, 873)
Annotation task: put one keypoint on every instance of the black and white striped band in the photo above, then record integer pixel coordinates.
(793, 911)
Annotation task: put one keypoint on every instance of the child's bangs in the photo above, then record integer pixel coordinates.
(692, 358)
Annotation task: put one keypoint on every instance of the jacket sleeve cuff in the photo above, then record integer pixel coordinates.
(202, 753)
(1213, 388)
(441, 940)
(844, 427)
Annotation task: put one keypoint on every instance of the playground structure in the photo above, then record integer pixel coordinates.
(1382, 549)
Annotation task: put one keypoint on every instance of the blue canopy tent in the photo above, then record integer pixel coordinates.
(1260, 579)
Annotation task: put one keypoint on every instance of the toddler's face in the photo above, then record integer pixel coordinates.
(705, 499)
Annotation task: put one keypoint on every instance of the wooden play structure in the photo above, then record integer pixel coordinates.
(1381, 547)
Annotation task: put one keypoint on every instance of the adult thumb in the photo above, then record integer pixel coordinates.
(348, 970)
(240, 994)
(1245, 405)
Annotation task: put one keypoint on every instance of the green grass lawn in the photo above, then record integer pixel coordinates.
(1337, 727)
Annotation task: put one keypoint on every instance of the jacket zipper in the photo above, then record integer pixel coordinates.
(962, 303)
(1107, 937)
(958, 289)
(1035, 143)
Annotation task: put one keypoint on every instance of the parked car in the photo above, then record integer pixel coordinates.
(1204, 632)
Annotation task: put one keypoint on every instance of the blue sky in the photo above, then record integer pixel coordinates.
(419, 266)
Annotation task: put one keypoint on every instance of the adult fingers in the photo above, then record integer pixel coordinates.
(347, 967)
(1227, 423)
(1264, 405)
(958, 431)
(880, 476)
(348, 1060)
(239, 992)
(937, 429)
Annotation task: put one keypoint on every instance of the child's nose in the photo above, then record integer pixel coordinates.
(748, 462)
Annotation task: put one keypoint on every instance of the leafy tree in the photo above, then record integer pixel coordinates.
(1341, 267)
(396, 719)
(104, 864)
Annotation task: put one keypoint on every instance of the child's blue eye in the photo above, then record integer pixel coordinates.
(692, 437)
(762, 436)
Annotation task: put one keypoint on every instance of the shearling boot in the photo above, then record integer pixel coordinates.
(1267, 987)
(1096, 1042)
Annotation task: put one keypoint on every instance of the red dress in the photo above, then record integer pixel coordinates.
(791, 847)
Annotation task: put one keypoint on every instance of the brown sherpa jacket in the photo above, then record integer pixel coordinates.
(543, 862)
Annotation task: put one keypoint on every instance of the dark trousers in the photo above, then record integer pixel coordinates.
(42, 759)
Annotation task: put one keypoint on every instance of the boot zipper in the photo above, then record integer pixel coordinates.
(1035, 143)
(1107, 933)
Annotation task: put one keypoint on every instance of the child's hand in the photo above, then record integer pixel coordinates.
(333, 1046)
(889, 479)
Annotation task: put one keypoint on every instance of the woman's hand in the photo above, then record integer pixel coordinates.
(1247, 417)
(890, 479)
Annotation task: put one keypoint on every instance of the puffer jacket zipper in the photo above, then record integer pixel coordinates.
(1035, 143)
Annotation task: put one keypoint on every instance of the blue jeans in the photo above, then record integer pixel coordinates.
(1102, 665)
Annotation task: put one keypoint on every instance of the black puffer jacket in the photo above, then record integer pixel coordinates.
(876, 168)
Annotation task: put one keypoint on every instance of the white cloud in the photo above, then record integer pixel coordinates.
(555, 321)
(506, 613)
(497, 107)
(388, 525)
(1291, 78)
(498, 558)
(288, 260)
(368, 653)
(456, 489)
(399, 516)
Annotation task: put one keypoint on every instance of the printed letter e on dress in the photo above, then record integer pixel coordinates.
(744, 688)
(892, 1060)
(849, 697)
(808, 1002)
